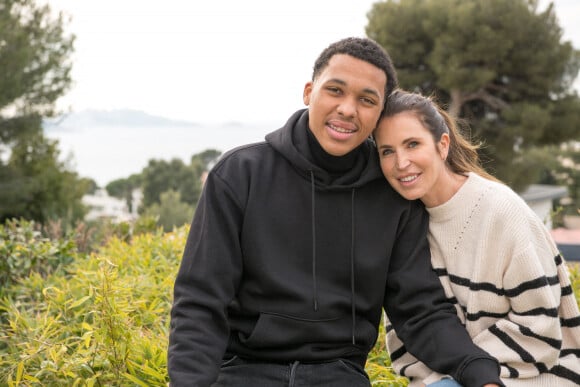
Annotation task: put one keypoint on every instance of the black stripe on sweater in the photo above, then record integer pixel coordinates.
(537, 283)
(570, 322)
(403, 371)
(566, 352)
(534, 312)
(565, 373)
(441, 271)
(524, 355)
(551, 312)
(510, 343)
(557, 344)
(566, 290)
(396, 355)
(476, 285)
(480, 314)
(513, 372)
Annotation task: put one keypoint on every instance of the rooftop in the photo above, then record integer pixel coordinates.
(542, 192)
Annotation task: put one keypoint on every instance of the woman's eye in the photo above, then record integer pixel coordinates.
(413, 144)
(387, 152)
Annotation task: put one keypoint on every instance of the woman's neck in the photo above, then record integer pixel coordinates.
(446, 187)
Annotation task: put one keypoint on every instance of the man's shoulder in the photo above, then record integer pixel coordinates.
(244, 159)
(248, 152)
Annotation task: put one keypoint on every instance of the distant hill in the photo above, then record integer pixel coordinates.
(111, 118)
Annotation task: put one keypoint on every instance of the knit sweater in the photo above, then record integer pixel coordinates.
(499, 265)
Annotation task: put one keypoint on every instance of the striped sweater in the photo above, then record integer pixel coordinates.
(499, 265)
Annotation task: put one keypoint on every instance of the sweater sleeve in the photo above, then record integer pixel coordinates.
(416, 305)
(406, 364)
(205, 284)
(527, 340)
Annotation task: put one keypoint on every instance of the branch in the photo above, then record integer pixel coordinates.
(493, 101)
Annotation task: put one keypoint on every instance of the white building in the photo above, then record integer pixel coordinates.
(540, 198)
(102, 206)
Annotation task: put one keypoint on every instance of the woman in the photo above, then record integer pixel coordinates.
(494, 257)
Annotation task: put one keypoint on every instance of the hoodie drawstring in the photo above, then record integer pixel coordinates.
(352, 287)
(352, 240)
(315, 301)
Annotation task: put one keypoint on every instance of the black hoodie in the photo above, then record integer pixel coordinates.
(287, 261)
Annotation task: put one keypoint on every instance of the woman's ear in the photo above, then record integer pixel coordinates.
(443, 146)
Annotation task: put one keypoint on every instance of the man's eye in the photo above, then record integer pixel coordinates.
(368, 101)
(413, 144)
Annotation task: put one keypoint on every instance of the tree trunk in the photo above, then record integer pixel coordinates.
(456, 103)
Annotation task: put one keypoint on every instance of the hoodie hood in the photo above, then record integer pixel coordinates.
(292, 143)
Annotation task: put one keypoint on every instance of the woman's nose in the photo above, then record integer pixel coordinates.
(402, 161)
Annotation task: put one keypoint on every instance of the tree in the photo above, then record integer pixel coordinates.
(171, 211)
(160, 176)
(35, 71)
(123, 188)
(35, 65)
(499, 64)
(38, 186)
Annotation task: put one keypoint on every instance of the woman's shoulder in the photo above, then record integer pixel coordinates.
(499, 198)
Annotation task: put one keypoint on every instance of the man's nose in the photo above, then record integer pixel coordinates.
(347, 107)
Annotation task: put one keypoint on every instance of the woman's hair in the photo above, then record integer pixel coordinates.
(462, 156)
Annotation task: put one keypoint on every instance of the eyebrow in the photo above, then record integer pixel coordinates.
(366, 90)
(405, 141)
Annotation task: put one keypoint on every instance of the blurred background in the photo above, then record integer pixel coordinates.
(108, 107)
(113, 111)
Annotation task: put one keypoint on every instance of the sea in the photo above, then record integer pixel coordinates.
(109, 152)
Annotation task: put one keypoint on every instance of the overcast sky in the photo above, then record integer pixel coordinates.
(212, 61)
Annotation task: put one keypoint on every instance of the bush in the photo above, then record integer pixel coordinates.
(24, 251)
(575, 279)
(379, 365)
(104, 322)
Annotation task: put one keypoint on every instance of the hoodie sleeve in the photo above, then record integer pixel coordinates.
(422, 317)
(209, 273)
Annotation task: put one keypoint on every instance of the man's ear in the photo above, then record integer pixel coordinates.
(306, 94)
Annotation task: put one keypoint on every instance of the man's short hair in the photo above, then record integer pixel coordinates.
(363, 49)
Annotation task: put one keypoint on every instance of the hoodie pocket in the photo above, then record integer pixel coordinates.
(275, 330)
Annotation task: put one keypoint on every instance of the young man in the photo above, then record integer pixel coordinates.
(298, 242)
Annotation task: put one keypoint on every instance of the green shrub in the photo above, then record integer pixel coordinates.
(575, 279)
(103, 323)
(379, 365)
(23, 250)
